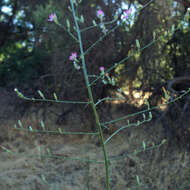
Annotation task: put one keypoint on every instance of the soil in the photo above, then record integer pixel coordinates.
(139, 158)
(30, 167)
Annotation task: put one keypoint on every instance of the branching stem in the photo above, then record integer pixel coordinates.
(100, 132)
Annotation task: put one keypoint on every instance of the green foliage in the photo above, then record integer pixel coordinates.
(178, 52)
(22, 67)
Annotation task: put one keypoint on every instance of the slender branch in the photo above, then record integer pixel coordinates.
(91, 98)
(147, 110)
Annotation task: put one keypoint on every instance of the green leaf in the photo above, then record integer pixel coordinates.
(147, 103)
(48, 151)
(138, 44)
(55, 96)
(41, 94)
(60, 130)
(44, 178)
(150, 115)
(69, 8)
(138, 180)
(30, 129)
(104, 81)
(163, 141)
(7, 150)
(19, 94)
(68, 24)
(166, 96)
(113, 81)
(20, 124)
(42, 125)
(75, 2)
(144, 145)
(82, 19)
(39, 149)
(120, 90)
(173, 28)
(154, 35)
(94, 23)
(115, 17)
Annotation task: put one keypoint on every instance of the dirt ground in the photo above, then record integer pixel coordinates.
(59, 162)
(40, 161)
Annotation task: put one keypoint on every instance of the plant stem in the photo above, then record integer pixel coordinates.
(101, 138)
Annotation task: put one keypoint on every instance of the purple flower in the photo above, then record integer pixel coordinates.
(100, 13)
(52, 16)
(101, 68)
(73, 56)
(127, 12)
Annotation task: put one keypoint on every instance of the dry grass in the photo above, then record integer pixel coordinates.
(165, 168)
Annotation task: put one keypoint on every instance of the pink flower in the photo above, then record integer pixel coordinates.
(101, 68)
(127, 12)
(73, 56)
(100, 13)
(52, 16)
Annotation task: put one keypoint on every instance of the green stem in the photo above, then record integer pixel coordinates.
(92, 99)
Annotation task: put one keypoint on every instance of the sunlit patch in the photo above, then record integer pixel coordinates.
(6, 9)
(137, 97)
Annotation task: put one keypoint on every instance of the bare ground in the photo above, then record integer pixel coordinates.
(165, 167)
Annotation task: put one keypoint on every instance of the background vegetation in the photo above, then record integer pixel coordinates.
(34, 53)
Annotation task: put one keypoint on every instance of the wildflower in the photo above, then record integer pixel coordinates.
(73, 56)
(101, 68)
(127, 12)
(100, 13)
(52, 17)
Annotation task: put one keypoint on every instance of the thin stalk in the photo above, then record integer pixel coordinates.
(101, 138)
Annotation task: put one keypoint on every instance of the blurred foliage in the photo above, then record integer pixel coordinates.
(32, 47)
(20, 67)
(178, 52)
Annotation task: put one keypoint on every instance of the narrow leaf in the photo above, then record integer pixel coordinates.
(55, 96)
(60, 130)
(39, 149)
(30, 129)
(163, 141)
(173, 28)
(144, 145)
(82, 19)
(44, 178)
(138, 180)
(7, 150)
(147, 103)
(42, 125)
(94, 23)
(41, 94)
(48, 151)
(150, 115)
(138, 44)
(20, 124)
(68, 24)
(154, 35)
(166, 96)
